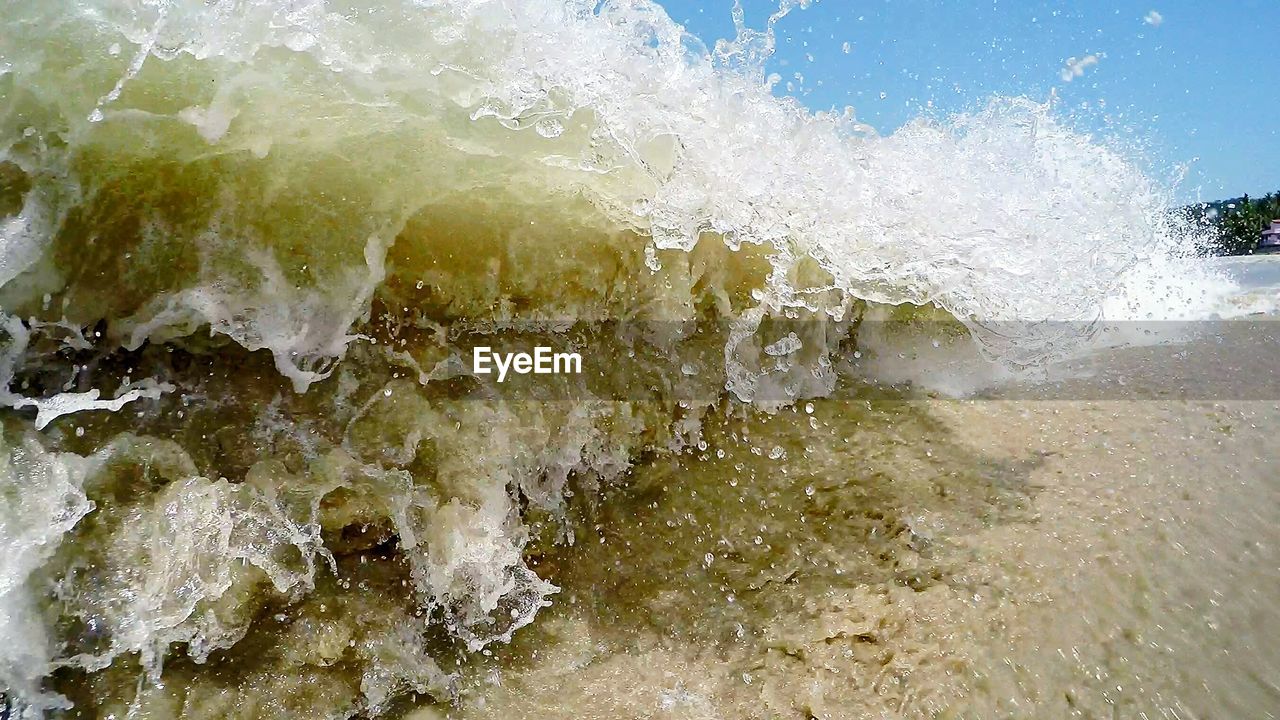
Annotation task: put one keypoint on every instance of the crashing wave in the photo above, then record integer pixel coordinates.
(359, 191)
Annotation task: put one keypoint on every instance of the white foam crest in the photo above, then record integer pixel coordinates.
(41, 499)
(22, 239)
(306, 330)
(170, 557)
(1002, 214)
(64, 403)
(1005, 214)
(466, 552)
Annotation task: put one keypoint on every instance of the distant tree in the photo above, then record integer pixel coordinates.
(1240, 222)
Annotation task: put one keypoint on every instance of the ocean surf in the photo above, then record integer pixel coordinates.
(247, 469)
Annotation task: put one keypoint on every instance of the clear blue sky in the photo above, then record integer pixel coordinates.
(1195, 83)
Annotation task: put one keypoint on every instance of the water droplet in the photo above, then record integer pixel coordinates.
(785, 346)
(651, 259)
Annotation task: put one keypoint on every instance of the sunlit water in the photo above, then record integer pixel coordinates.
(947, 423)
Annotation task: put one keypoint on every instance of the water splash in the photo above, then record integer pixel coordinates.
(318, 182)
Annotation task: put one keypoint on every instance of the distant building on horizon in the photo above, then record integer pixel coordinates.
(1270, 240)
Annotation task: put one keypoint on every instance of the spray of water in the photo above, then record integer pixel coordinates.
(286, 176)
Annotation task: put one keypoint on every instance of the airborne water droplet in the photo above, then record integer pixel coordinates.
(651, 258)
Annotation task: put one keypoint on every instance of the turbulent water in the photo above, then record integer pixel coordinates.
(247, 469)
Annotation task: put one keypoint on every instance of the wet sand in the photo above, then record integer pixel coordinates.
(922, 558)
